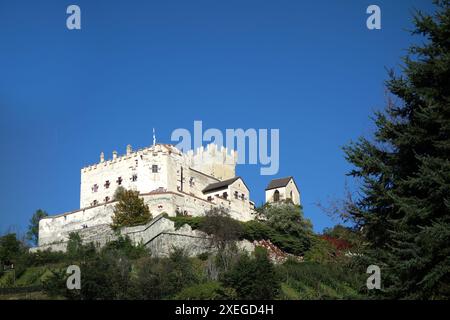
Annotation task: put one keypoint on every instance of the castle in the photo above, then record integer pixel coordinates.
(170, 182)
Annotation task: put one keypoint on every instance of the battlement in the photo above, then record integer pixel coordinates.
(131, 154)
(212, 152)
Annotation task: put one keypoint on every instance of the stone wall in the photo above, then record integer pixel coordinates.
(159, 236)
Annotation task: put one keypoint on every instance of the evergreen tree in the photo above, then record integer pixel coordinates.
(404, 207)
(33, 228)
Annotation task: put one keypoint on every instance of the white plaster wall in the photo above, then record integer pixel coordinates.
(285, 193)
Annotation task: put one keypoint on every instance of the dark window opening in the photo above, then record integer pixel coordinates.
(134, 177)
(107, 199)
(119, 181)
(95, 188)
(107, 184)
(236, 195)
(225, 195)
(276, 196)
(154, 168)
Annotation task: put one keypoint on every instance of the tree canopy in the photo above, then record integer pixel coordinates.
(404, 208)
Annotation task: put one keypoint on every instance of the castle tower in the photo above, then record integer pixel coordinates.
(216, 162)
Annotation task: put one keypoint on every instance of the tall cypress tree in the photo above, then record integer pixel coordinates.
(404, 169)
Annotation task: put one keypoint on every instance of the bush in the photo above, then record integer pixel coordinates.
(211, 290)
(258, 230)
(253, 277)
(193, 222)
(312, 280)
(162, 278)
(221, 227)
(124, 246)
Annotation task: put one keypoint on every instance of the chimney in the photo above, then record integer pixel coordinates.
(102, 157)
(129, 149)
(114, 155)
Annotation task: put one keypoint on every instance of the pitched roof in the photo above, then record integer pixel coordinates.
(220, 185)
(279, 183)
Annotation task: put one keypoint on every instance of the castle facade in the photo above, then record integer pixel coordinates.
(168, 180)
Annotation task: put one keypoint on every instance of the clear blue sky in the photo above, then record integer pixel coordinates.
(310, 68)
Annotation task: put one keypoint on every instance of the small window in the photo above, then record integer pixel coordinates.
(119, 181)
(225, 195)
(134, 177)
(95, 188)
(107, 184)
(191, 181)
(94, 203)
(243, 196)
(155, 168)
(107, 199)
(209, 198)
(236, 195)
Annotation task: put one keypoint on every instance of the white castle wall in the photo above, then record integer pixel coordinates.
(57, 228)
(139, 164)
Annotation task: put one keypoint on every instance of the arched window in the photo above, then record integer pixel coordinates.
(276, 196)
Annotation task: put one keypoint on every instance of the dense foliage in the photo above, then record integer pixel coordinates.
(283, 224)
(123, 270)
(404, 210)
(130, 209)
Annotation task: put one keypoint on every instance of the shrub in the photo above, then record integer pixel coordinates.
(211, 290)
(221, 227)
(253, 277)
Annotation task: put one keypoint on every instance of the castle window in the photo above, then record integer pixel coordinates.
(94, 203)
(191, 181)
(119, 181)
(134, 177)
(95, 188)
(106, 199)
(243, 196)
(236, 195)
(209, 198)
(107, 184)
(155, 168)
(276, 196)
(225, 195)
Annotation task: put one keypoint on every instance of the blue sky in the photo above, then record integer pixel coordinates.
(309, 68)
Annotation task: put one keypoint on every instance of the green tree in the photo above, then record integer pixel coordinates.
(253, 277)
(404, 169)
(222, 228)
(162, 278)
(33, 227)
(287, 219)
(10, 249)
(130, 210)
